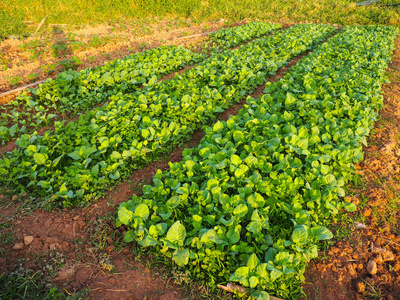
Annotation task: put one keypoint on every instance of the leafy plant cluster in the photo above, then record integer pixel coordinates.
(74, 91)
(78, 160)
(234, 36)
(250, 203)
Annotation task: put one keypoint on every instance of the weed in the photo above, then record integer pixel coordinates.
(61, 48)
(70, 63)
(24, 283)
(33, 77)
(107, 55)
(143, 46)
(15, 80)
(92, 58)
(49, 69)
(98, 41)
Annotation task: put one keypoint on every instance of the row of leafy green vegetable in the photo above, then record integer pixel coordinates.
(250, 203)
(77, 161)
(235, 36)
(73, 92)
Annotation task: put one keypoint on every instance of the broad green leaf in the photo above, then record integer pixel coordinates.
(253, 281)
(275, 274)
(351, 207)
(218, 127)
(44, 184)
(129, 236)
(181, 257)
(148, 241)
(152, 81)
(241, 210)
(75, 155)
(251, 161)
(256, 200)
(210, 236)
(125, 216)
(300, 235)
(290, 99)
(253, 261)
(176, 233)
(31, 149)
(238, 136)
(145, 133)
(241, 275)
(260, 295)
(321, 233)
(142, 211)
(39, 158)
(236, 160)
(233, 236)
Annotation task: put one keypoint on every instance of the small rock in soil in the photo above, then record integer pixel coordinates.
(18, 246)
(351, 271)
(389, 297)
(377, 249)
(388, 255)
(372, 267)
(360, 225)
(28, 239)
(360, 286)
(396, 267)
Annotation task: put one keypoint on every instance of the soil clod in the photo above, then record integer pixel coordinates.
(18, 246)
(28, 239)
(372, 267)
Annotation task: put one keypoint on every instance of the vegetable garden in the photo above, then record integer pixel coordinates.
(253, 201)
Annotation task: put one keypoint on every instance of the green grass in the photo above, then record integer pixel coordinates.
(30, 285)
(83, 12)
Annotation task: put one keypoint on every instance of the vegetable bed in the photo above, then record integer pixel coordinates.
(250, 203)
(77, 161)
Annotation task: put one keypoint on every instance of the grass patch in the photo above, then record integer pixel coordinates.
(81, 12)
(27, 284)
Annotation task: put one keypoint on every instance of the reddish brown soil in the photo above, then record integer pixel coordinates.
(345, 273)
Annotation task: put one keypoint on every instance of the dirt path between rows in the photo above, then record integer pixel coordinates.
(95, 256)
